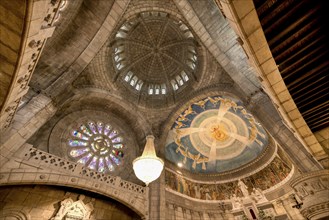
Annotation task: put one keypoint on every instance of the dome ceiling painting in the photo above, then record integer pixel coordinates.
(214, 135)
(154, 54)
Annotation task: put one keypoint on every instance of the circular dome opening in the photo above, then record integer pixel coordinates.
(155, 54)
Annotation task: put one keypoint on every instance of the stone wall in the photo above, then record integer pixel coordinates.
(43, 202)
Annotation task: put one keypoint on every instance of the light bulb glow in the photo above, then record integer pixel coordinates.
(148, 167)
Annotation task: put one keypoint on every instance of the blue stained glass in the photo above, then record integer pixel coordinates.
(79, 135)
(107, 129)
(117, 140)
(109, 164)
(85, 159)
(78, 152)
(85, 130)
(118, 146)
(101, 165)
(100, 127)
(92, 127)
(77, 143)
(113, 134)
(92, 165)
(115, 159)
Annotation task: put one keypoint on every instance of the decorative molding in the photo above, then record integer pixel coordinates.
(77, 210)
(39, 28)
(52, 170)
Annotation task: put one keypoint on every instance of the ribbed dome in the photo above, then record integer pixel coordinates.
(155, 53)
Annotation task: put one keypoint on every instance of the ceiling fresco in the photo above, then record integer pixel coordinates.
(213, 135)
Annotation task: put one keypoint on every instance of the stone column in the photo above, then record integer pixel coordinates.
(157, 202)
(313, 191)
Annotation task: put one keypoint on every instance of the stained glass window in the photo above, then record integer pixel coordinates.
(97, 145)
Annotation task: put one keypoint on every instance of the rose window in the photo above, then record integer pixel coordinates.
(97, 145)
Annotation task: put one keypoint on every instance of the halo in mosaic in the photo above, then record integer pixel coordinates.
(97, 145)
(214, 135)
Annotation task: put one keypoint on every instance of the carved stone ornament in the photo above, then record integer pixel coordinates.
(71, 210)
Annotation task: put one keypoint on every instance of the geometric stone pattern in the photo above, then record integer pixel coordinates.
(39, 29)
(26, 122)
(214, 32)
(41, 202)
(95, 41)
(58, 171)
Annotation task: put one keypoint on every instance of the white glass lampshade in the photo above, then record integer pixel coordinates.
(148, 167)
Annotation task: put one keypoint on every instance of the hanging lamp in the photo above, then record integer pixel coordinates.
(148, 167)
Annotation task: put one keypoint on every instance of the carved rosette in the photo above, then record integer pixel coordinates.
(313, 189)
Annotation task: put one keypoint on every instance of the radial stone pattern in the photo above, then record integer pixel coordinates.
(97, 146)
(155, 53)
(214, 135)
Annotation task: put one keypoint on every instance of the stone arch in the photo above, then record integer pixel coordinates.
(14, 214)
(96, 100)
(138, 203)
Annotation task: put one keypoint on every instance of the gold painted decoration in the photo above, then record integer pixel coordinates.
(215, 134)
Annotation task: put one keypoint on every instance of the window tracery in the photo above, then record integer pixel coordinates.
(97, 145)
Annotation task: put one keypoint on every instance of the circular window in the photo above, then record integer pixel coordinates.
(97, 145)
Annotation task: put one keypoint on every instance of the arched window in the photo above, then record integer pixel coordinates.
(174, 84)
(179, 80)
(139, 85)
(184, 76)
(133, 81)
(128, 76)
(163, 89)
(150, 90)
(157, 89)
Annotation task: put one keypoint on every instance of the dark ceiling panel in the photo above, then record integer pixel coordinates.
(296, 31)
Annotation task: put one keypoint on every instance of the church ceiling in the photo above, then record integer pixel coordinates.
(151, 58)
(155, 54)
(214, 135)
(297, 35)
